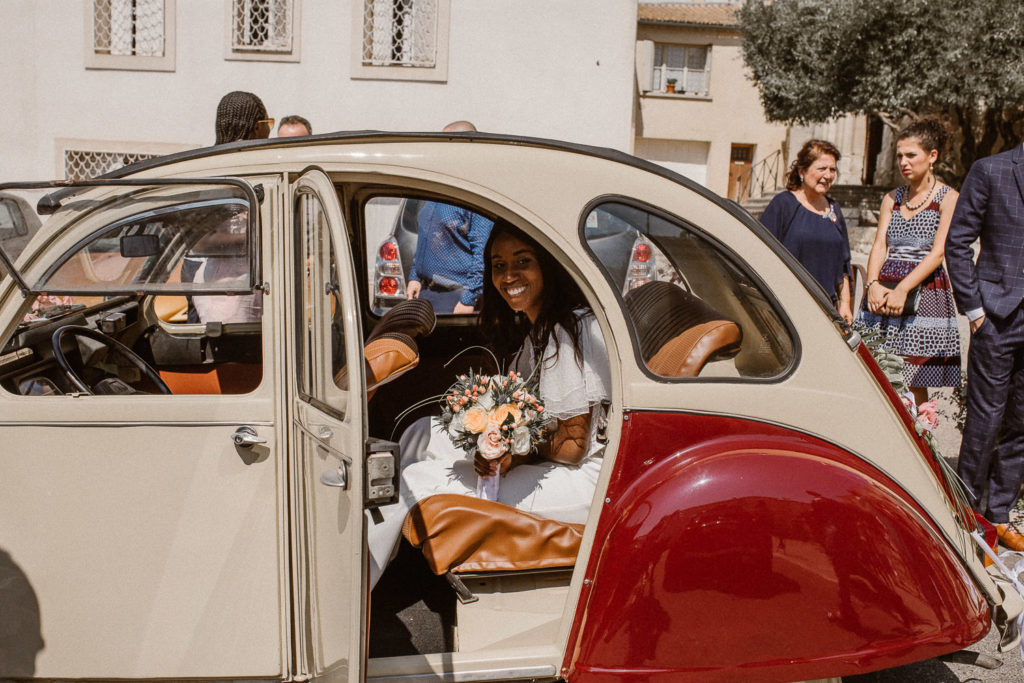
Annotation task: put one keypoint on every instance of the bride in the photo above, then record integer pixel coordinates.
(529, 302)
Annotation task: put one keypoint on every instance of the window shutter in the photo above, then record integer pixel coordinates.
(644, 64)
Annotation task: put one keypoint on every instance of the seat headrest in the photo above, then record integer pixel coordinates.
(679, 332)
(414, 317)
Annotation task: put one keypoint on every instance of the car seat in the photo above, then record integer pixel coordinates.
(678, 332)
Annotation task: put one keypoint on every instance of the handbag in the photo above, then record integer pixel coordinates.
(913, 296)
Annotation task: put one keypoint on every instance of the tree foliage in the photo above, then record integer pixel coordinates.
(960, 59)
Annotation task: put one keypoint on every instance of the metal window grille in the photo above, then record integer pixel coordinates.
(689, 65)
(262, 26)
(128, 27)
(82, 165)
(400, 32)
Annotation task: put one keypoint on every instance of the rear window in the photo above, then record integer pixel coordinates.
(695, 310)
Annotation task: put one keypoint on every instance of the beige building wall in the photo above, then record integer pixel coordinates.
(522, 68)
(671, 127)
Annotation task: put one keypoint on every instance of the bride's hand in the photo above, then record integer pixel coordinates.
(487, 468)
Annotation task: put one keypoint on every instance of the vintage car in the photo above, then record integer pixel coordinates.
(191, 461)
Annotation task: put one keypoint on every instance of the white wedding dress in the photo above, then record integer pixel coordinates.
(432, 465)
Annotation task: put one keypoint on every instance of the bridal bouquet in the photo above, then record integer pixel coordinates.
(495, 415)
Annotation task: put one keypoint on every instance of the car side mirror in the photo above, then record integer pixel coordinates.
(133, 246)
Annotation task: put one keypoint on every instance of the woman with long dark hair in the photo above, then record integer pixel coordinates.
(539, 322)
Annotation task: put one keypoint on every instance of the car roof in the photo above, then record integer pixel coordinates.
(51, 201)
(354, 137)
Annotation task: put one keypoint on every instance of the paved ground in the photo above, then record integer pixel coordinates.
(959, 667)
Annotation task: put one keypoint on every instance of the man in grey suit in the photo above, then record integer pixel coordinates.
(991, 208)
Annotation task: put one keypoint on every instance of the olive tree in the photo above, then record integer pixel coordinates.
(896, 59)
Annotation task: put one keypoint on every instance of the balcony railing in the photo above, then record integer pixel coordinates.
(764, 177)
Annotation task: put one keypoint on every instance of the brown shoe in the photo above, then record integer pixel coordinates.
(1009, 536)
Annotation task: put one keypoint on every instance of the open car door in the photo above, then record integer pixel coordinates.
(328, 436)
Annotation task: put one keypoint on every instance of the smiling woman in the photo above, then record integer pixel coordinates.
(810, 223)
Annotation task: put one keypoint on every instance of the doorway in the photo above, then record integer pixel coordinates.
(740, 158)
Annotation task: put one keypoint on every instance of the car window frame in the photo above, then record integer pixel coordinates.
(360, 195)
(726, 253)
(253, 194)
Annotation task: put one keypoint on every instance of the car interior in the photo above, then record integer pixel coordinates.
(501, 579)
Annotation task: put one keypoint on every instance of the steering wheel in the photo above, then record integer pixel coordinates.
(96, 335)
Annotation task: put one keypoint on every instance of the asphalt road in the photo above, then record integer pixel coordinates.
(981, 662)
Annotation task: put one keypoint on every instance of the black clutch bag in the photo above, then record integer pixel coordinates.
(913, 296)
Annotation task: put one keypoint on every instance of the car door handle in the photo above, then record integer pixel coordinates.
(246, 437)
(323, 432)
(337, 477)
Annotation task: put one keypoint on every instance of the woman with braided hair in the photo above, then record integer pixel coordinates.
(242, 116)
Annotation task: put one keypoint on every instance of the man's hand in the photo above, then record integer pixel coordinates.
(976, 324)
(412, 290)
(461, 307)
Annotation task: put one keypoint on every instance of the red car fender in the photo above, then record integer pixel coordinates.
(738, 550)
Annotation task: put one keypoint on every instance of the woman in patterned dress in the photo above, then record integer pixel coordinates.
(907, 252)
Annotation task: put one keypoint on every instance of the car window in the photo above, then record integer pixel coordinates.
(164, 272)
(7, 223)
(194, 246)
(694, 308)
(429, 249)
(322, 374)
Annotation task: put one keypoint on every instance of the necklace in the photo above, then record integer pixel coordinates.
(911, 207)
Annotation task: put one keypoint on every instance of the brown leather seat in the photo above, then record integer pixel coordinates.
(390, 348)
(463, 534)
(678, 332)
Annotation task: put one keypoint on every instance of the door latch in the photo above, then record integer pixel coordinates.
(382, 458)
(246, 437)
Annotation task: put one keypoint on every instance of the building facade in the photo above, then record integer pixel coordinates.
(696, 111)
(98, 83)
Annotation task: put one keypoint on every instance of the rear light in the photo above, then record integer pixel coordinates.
(641, 269)
(389, 275)
(642, 252)
(389, 251)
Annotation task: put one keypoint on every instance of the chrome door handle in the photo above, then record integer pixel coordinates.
(246, 437)
(323, 432)
(337, 477)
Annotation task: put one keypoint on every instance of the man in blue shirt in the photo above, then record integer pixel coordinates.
(448, 266)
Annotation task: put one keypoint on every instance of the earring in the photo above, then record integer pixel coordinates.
(801, 179)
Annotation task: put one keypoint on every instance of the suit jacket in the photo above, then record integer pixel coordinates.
(990, 207)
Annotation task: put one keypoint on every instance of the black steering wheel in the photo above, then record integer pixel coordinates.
(96, 335)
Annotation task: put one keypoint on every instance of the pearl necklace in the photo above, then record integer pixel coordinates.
(926, 197)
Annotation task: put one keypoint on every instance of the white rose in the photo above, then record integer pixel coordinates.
(521, 440)
(486, 400)
(457, 425)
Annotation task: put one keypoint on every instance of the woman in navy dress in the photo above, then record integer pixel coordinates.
(908, 251)
(810, 224)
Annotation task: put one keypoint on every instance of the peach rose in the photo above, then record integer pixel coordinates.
(490, 444)
(475, 420)
(503, 411)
